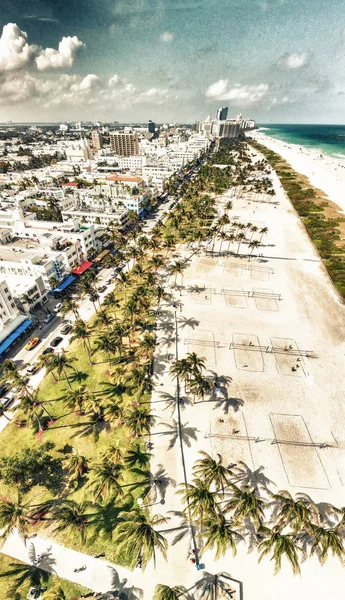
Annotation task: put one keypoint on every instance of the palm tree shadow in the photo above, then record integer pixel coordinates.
(328, 516)
(46, 561)
(187, 433)
(185, 322)
(163, 481)
(183, 528)
(125, 592)
(251, 535)
(159, 364)
(244, 475)
(78, 377)
(210, 587)
(228, 403)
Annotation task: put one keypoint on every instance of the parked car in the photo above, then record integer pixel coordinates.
(48, 350)
(102, 289)
(109, 281)
(56, 341)
(66, 329)
(32, 343)
(31, 369)
(6, 401)
(66, 322)
(48, 318)
(57, 307)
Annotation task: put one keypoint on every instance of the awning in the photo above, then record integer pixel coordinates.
(14, 335)
(66, 282)
(83, 267)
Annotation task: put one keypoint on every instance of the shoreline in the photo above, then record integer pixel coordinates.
(324, 172)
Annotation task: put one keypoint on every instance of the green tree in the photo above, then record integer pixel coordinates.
(137, 537)
(212, 471)
(139, 421)
(72, 517)
(281, 545)
(55, 593)
(219, 534)
(164, 592)
(14, 515)
(70, 305)
(61, 363)
(105, 478)
(82, 331)
(136, 456)
(246, 503)
(112, 302)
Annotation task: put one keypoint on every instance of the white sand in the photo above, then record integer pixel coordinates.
(324, 172)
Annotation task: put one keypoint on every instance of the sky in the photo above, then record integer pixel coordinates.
(276, 61)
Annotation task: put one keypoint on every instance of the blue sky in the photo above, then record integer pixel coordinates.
(272, 60)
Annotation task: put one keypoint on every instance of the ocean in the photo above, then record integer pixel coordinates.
(329, 139)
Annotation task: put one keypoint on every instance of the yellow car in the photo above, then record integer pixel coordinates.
(32, 343)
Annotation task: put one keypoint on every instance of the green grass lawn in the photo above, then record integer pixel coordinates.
(72, 590)
(67, 437)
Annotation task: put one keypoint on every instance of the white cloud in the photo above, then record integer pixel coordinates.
(15, 52)
(153, 95)
(63, 57)
(238, 93)
(293, 61)
(167, 36)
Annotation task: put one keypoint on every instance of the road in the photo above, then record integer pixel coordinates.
(47, 332)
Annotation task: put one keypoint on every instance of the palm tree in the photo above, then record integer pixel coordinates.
(181, 369)
(263, 231)
(177, 268)
(295, 513)
(240, 238)
(200, 500)
(103, 320)
(199, 386)
(3, 413)
(212, 471)
(148, 345)
(281, 545)
(55, 593)
(14, 515)
(112, 301)
(41, 403)
(22, 573)
(76, 465)
(246, 503)
(325, 540)
(61, 363)
(81, 331)
(139, 421)
(72, 517)
(219, 534)
(123, 279)
(75, 399)
(164, 592)
(70, 305)
(196, 363)
(253, 245)
(45, 362)
(105, 478)
(137, 538)
(105, 343)
(113, 453)
(137, 456)
(28, 407)
(138, 379)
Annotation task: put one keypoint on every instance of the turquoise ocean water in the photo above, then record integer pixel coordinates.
(329, 139)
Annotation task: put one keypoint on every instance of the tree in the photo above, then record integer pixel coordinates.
(325, 540)
(75, 399)
(123, 279)
(219, 535)
(61, 363)
(253, 245)
(295, 513)
(28, 408)
(177, 268)
(280, 545)
(136, 456)
(137, 537)
(197, 363)
(112, 301)
(70, 305)
(14, 515)
(72, 517)
(3, 413)
(246, 503)
(105, 343)
(30, 467)
(45, 361)
(21, 573)
(199, 386)
(200, 500)
(55, 593)
(263, 231)
(76, 465)
(139, 421)
(102, 320)
(164, 592)
(81, 331)
(212, 471)
(106, 477)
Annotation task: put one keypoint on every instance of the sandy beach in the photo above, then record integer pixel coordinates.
(324, 172)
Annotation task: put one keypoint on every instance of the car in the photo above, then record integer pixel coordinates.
(32, 343)
(6, 401)
(66, 322)
(47, 350)
(48, 318)
(66, 329)
(109, 281)
(57, 307)
(102, 289)
(4, 387)
(118, 269)
(31, 369)
(56, 341)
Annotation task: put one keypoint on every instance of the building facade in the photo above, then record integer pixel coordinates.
(124, 144)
